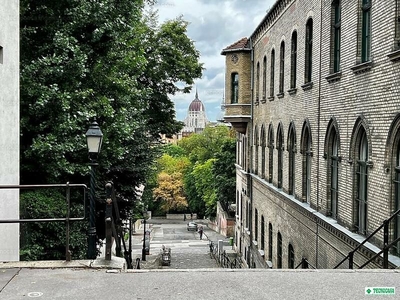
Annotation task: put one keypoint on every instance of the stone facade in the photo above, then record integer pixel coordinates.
(318, 162)
(9, 137)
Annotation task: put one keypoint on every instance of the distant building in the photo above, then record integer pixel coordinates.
(196, 119)
(9, 124)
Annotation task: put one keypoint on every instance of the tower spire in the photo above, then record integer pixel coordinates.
(197, 96)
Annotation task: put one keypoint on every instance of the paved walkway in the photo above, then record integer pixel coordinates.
(186, 253)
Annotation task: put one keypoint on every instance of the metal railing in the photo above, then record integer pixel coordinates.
(385, 250)
(305, 264)
(67, 218)
(222, 259)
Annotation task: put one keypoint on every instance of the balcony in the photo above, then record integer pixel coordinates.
(238, 115)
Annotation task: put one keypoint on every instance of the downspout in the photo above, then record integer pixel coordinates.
(250, 183)
(318, 136)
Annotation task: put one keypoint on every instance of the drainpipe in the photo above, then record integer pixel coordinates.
(318, 132)
(250, 184)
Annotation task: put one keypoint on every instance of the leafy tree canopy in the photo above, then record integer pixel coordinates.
(102, 59)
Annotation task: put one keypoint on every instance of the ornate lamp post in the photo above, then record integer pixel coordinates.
(94, 138)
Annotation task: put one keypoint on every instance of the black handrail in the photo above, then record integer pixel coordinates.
(305, 264)
(385, 249)
(67, 219)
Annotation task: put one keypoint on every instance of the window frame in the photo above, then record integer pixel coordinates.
(279, 251)
(308, 51)
(234, 88)
(272, 75)
(270, 242)
(282, 68)
(336, 35)
(280, 148)
(361, 174)
(291, 148)
(258, 82)
(366, 6)
(270, 153)
(264, 87)
(293, 60)
(291, 257)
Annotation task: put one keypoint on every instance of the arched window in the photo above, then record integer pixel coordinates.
(280, 148)
(256, 225)
(270, 153)
(361, 182)
(306, 150)
(256, 144)
(263, 146)
(335, 35)
(235, 88)
(293, 61)
(264, 87)
(262, 233)
(397, 26)
(291, 257)
(279, 251)
(396, 231)
(282, 69)
(334, 174)
(258, 82)
(291, 148)
(272, 75)
(308, 52)
(365, 23)
(270, 241)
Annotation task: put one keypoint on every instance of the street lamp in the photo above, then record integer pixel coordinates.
(94, 138)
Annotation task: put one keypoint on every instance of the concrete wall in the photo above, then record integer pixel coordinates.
(9, 127)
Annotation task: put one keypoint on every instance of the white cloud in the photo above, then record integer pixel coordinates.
(213, 25)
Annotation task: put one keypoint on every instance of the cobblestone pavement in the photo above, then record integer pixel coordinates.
(187, 250)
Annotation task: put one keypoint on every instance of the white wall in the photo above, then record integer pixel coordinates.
(9, 127)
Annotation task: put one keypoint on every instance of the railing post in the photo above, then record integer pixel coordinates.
(67, 235)
(351, 257)
(108, 220)
(385, 245)
(304, 263)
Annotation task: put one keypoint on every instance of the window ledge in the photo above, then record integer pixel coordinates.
(292, 91)
(307, 86)
(394, 56)
(256, 103)
(334, 77)
(280, 95)
(263, 100)
(271, 98)
(362, 67)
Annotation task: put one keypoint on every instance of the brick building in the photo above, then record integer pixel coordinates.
(314, 94)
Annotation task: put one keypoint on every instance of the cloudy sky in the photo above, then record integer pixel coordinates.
(213, 25)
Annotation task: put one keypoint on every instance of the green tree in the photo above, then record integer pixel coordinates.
(86, 59)
(204, 183)
(224, 173)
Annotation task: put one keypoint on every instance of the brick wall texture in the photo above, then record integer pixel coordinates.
(359, 98)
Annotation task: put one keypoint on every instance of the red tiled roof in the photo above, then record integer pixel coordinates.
(242, 44)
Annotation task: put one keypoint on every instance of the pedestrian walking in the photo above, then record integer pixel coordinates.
(201, 232)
